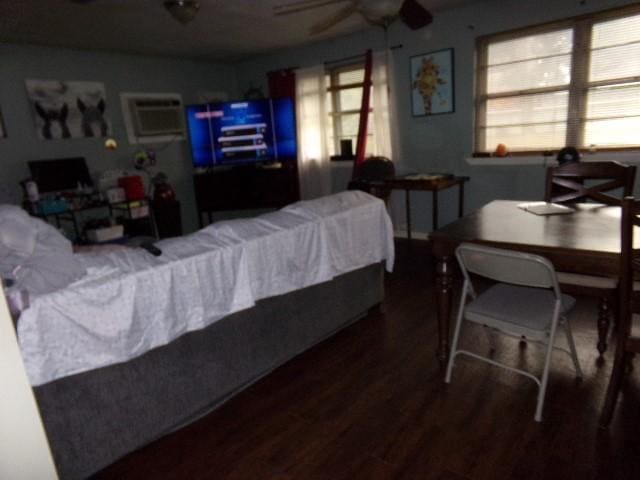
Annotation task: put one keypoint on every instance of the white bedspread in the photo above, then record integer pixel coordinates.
(130, 301)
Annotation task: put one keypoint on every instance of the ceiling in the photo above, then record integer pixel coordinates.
(223, 30)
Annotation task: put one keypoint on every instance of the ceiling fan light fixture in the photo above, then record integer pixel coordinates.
(182, 10)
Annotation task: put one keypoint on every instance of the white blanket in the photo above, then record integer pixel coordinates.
(130, 301)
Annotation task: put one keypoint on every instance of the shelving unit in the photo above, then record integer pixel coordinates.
(136, 216)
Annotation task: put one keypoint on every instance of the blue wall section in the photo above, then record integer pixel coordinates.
(441, 142)
(119, 73)
(428, 143)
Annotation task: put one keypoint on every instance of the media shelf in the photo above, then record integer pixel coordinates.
(245, 188)
(135, 215)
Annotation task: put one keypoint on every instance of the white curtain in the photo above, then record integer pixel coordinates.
(384, 111)
(314, 168)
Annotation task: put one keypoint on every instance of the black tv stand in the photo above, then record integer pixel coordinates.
(245, 187)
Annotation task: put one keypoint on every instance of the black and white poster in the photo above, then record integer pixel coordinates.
(68, 109)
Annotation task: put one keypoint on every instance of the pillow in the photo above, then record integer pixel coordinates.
(34, 253)
(17, 233)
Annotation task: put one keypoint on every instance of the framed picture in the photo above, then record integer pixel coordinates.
(68, 109)
(3, 132)
(432, 84)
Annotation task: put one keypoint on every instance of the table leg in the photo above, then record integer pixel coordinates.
(435, 209)
(444, 281)
(604, 321)
(461, 200)
(407, 207)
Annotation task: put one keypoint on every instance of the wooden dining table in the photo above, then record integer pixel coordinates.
(585, 241)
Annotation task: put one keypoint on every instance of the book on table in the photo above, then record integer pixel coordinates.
(545, 208)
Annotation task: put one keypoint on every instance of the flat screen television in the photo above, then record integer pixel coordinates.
(60, 174)
(243, 132)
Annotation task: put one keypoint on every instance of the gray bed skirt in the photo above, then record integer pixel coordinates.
(96, 417)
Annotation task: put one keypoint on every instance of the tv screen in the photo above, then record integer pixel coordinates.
(60, 174)
(233, 133)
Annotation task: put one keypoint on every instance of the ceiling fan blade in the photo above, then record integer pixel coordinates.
(333, 19)
(414, 15)
(302, 5)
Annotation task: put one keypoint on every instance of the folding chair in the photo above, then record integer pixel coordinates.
(525, 302)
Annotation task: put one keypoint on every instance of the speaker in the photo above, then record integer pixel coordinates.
(346, 148)
(414, 15)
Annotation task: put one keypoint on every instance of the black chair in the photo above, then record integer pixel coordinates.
(582, 182)
(371, 175)
(627, 343)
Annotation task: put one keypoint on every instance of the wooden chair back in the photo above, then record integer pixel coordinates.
(370, 177)
(629, 270)
(629, 289)
(578, 182)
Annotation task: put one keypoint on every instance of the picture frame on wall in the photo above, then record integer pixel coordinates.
(3, 132)
(68, 109)
(432, 83)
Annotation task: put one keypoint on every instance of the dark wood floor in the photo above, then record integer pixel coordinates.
(370, 403)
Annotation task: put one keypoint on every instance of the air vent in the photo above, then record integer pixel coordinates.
(153, 117)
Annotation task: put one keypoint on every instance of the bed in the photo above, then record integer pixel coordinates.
(143, 345)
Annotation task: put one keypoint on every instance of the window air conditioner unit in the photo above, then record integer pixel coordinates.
(153, 117)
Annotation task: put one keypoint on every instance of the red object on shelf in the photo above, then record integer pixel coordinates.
(133, 187)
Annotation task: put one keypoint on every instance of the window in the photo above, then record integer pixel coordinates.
(344, 97)
(571, 83)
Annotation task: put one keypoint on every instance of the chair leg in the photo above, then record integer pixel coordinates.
(572, 347)
(545, 373)
(456, 334)
(615, 383)
(604, 321)
(491, 338)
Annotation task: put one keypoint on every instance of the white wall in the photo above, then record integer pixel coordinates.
(441, 142)
(119, 73)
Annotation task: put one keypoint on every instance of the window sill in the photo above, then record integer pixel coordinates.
(625, 157)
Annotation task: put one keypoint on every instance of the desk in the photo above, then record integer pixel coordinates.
(586, 241)
(428, 184)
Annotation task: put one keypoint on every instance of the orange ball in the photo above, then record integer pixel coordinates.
(501, 150)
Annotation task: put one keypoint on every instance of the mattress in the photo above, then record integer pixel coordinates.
(131, 302)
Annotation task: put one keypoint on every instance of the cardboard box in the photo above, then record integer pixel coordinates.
(105, 234)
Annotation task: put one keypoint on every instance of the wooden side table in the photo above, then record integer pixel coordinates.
(431, 183)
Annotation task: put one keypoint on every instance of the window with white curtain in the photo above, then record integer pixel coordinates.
(575, 82)
(345, 85)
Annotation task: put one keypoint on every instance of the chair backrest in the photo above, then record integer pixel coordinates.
(629, 263)
(507, 266)
(375, 168)
(577, 182)
(370, 175)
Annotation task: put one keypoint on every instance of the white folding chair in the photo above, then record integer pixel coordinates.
(525, 302)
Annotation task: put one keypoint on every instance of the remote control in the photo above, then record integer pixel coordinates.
(151, 248)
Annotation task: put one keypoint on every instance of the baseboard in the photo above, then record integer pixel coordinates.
(416, 235)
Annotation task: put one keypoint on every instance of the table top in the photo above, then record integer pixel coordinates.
(585, 241)
(425, 182)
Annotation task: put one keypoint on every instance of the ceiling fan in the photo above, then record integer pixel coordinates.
(377, 12)
(182, 10)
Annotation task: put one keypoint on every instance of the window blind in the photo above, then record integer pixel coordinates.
(572, 83)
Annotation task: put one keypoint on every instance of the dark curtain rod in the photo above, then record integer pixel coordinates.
(339, 60)
(356, 57)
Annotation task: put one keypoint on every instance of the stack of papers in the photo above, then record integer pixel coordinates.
(545, 208)
(427, 176)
